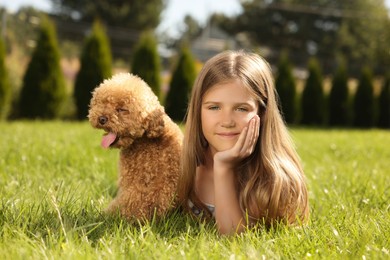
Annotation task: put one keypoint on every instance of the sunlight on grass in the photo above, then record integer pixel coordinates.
(56, 180)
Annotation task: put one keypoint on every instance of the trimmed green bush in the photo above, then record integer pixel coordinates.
(312, 101)
(384, 104)
(364, 110)
(96, 65)
(338, 98)
(43, 91)
(286, 88)
(181, 84)
(146, 62)
(5, 87)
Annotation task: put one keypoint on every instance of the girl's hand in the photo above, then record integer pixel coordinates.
(244, 146)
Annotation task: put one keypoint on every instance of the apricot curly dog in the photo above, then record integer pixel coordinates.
(150, 143)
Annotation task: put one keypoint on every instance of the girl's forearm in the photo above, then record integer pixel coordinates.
(228, 215)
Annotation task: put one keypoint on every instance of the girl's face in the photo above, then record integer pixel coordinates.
(226, 109)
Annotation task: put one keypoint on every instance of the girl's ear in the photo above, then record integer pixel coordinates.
(154, 124)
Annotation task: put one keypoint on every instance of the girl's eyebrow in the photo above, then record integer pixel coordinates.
(211, 102)
(217, 102)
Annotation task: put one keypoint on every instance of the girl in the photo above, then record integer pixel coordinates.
(239, 164)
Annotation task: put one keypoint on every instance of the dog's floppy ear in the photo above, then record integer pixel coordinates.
(154, 124)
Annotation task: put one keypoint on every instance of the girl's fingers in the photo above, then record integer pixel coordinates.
(241, 139)
(251, 137)
(256, 130)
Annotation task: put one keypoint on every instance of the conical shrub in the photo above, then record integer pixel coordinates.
(180, 87)
(146, 62)
(364, 110)
(96, 65)
(43, 91)
(5, 87)
(286, 88)
(312, 102)
(338, 98)
(384, 104)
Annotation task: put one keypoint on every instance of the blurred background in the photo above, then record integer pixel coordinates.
(330, 58)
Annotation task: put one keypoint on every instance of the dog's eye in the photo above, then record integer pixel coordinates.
(120, 110)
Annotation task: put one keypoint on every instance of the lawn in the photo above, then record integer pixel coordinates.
(55, 180)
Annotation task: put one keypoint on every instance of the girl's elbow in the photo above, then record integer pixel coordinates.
(230, 229)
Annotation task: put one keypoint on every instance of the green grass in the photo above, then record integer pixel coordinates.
(55, 180)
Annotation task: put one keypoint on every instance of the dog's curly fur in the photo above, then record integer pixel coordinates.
(149, 141)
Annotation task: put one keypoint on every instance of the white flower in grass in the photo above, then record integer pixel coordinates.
(335, 232)
(384, 250)
(366, 201)
(101, 200)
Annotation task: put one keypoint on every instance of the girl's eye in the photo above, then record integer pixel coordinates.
(119, 110)
(242, 109)
(213, 108)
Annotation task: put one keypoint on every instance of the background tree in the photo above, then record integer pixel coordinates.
(20, 26)
(312, 101)
(324, 28)
(286, 88)
(5, 87)
(146, 62)
(181, 84)
(134, 14)
(361, 35)
(384, 104)
(43, 92)
(95, 67)
(364, 100)
(192, 29)
(338, 98)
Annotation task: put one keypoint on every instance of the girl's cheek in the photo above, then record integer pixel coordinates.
(249, 117)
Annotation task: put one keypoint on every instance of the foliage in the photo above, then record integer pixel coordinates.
(95, 67)
(5, 87)
(363, 38)
(22, 28)
(312, 102)
(146, 62)
(286, 88)
(326, 28)
(364, 110)
(134, 14)
(192, 29)
(181, 84)
(384, 104)
(338, 98)
(43, 92)
(54, 192)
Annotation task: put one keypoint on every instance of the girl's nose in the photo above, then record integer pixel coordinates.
(227, 120)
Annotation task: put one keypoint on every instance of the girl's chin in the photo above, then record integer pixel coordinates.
(221, 148)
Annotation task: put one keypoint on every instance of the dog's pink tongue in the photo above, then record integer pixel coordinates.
(108, 140)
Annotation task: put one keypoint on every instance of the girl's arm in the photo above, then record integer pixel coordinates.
(228, 214)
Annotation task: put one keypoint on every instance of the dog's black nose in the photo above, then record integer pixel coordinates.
(103, 120)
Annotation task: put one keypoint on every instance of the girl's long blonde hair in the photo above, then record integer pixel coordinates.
(271, 183)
